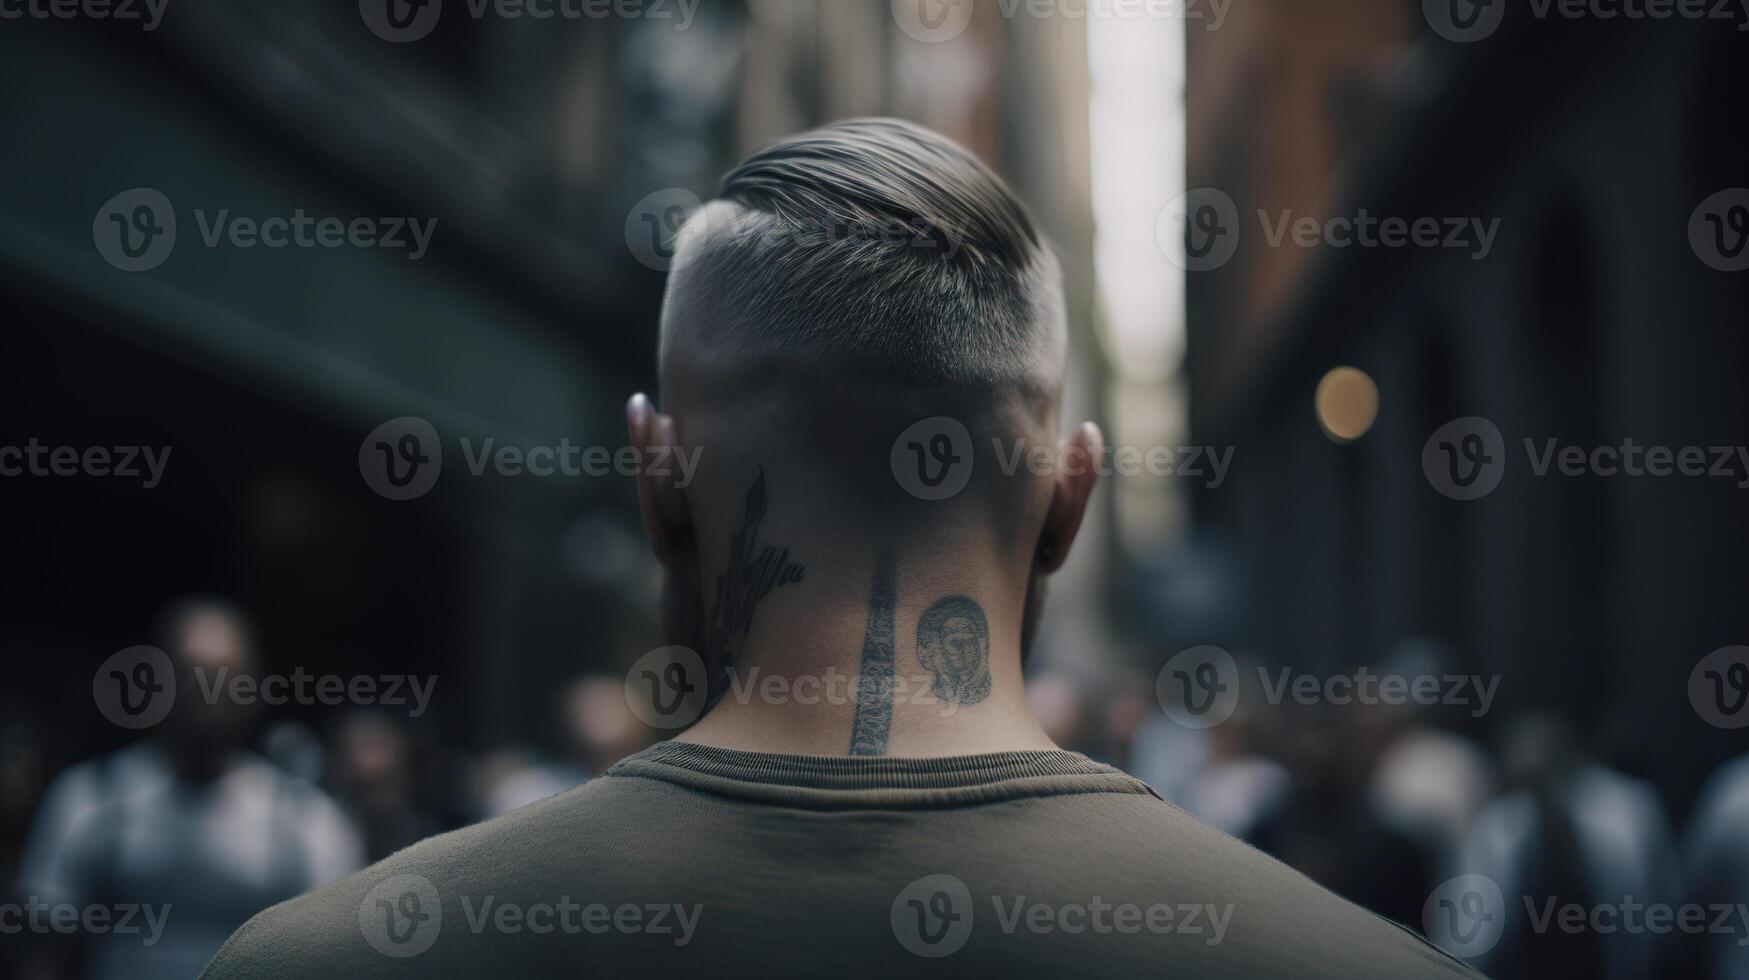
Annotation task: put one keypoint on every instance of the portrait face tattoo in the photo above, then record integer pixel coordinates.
(953, 644)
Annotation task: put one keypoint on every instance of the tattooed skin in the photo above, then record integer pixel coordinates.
(874, 680)
(953, 644)
(753, 571)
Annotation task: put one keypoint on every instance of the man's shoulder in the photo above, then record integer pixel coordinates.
(1246, 907)
(435, 907)
(377, 921)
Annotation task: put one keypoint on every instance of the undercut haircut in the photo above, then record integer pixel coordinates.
(874, 246)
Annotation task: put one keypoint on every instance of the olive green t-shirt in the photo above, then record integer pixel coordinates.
(689, 861)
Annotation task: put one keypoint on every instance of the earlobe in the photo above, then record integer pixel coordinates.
(667, 519)
(1070, 492)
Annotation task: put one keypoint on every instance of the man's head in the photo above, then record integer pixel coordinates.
(845, 284)
(867, 248)
(207, 637)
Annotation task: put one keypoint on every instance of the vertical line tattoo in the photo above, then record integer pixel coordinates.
(874, 679)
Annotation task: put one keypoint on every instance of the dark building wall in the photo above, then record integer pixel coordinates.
(1591, 321)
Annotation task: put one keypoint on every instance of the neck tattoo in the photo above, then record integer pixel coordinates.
(753, 571)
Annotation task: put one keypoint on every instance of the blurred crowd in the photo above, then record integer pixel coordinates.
(221, 811)
(1403, 809)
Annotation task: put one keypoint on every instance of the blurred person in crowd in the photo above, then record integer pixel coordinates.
(847, 285)
(1238, 789)
(1716, 852)
(597, 727)
(1167, 755)
(188, 828)
(374, 779)
(21, 777)
(1571, 832)
(296, 749)
(1126, 709)
(1327, 827)
(1429, 781)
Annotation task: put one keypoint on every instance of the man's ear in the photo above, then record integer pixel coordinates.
(667, 519)
(1073, 486)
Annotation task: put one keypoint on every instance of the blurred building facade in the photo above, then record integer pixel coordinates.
(530, 143)
(1592, 320)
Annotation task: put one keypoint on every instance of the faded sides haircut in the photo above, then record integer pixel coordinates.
(874, 248)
